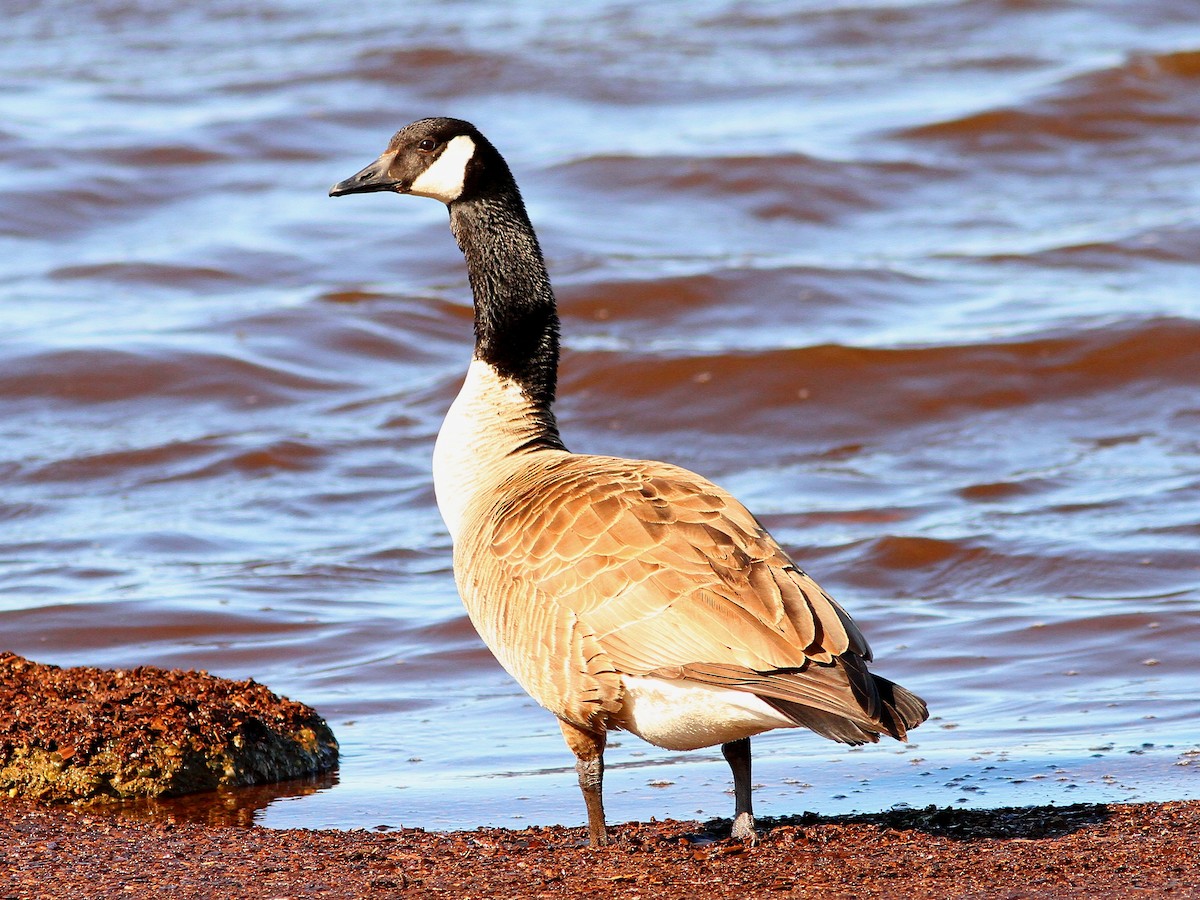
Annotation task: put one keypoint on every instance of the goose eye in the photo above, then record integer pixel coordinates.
(427, 145)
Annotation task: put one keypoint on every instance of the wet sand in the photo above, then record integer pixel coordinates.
(1086, 850)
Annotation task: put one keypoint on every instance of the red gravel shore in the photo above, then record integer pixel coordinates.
(1094, 851)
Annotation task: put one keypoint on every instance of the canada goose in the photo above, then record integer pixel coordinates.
(621, 594)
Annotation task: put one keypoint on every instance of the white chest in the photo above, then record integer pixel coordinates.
(490, 419)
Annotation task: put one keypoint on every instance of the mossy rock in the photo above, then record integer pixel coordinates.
(84, 734)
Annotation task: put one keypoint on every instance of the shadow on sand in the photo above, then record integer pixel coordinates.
(1014, 822)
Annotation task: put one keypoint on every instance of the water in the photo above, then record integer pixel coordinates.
(915, 280)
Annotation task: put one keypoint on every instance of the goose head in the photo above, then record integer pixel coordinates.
(446, 159)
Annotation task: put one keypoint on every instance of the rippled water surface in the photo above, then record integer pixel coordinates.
(916, 279)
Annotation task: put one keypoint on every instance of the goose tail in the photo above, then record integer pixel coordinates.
(898, 711)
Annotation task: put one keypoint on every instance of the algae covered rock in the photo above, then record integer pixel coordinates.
(83, 734)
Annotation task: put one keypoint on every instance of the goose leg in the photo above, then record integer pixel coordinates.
(588, 748)
(737, 754)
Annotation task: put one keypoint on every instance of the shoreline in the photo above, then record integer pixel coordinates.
(1082, 850)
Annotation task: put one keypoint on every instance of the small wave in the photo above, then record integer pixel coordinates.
(399, 331)
(178, 460)
(131, 627)
(1133, 101)
(787, 186)
(791, 289)
(154, 156)
(55, 211)
(913, 565)
(443, 71)
(281, 138)
(914, 552)
(1001, 491)
(277, 456)
(161, 274)
(105, 376)
(961, 570)
(156, 460)
(13, 511)
(1172, 244)
(742, 308)
(172, 545)
(902, 386)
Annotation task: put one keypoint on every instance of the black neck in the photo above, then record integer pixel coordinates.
(516, 321)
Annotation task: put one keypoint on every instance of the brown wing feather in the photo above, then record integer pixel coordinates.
(595, 566)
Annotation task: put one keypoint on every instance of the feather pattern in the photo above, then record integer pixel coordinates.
(578, 570)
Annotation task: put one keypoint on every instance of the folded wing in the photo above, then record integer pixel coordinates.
(596, 567)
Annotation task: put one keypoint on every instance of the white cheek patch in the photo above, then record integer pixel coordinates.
(444, 179)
